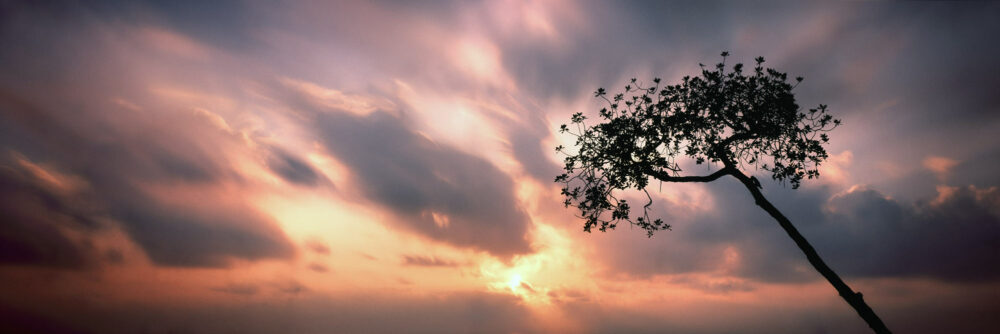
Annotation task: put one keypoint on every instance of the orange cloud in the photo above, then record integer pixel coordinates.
(941, 166)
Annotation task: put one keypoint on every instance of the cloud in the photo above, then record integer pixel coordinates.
(955, 237)
(318, 267)
(238, 289)
(318, 247)
(160, 184)
(205, 234)
(436, 191)
(306, 313)
(36, 221)
(718, 285)
(860, 233)
(14, 320)
(536, 159)
(290, 287)
(292, 169)
(835, 169)
(428, 261)
(734, 238)
(941, 166)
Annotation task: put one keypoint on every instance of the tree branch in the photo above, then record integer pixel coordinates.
(666, 177)
(721, 148)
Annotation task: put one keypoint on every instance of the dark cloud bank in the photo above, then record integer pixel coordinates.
(449, 313)
(861, 233)
(470, 312)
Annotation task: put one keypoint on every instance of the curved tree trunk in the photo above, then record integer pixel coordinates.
(852, 298)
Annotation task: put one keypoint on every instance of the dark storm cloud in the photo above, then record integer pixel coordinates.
(861, 233)
(436, 190)
(953, 237)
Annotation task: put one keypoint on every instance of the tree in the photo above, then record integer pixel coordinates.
(743, 121)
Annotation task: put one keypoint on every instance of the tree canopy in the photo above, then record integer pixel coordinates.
(742, 119)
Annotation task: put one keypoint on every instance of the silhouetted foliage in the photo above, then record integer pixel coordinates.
(721, 116)
(741, 120)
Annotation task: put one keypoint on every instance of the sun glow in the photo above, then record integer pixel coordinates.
(514, 282)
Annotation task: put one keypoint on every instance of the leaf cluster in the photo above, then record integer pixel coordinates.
(742, 119)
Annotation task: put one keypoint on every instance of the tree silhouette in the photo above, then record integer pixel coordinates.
(743, 121)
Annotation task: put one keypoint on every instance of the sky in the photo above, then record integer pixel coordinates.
(387, 167)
